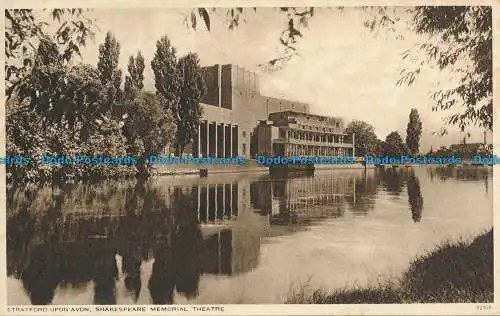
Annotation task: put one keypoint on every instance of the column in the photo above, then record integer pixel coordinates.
(208, 203)
(223, 140)
(227, 200)
(216, 143)
(231, 195)
(212, 198)
(198, 154)
(235, 143)
(212, 144)
(208, 139)
(220, 201)
(231, 142)
(227, 140)
(216, 194)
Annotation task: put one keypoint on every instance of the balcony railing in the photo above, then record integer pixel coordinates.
(312, 142)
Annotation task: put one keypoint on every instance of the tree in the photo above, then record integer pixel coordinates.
(25, 30)
(189, 111)
(167, 79)
(148, 126)
(109, 53)
(364, 137)
(58, 93)
(413, 132)
(394, 145)
(458, 35)
(110, 74)
(135, 77)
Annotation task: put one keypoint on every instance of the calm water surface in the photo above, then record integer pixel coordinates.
(233, 239)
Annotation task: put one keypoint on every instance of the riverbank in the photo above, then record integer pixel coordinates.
(456, 272)
(250, 166)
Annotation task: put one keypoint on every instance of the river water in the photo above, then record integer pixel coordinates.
(233, 238)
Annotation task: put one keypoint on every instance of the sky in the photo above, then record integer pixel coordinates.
(342, 69)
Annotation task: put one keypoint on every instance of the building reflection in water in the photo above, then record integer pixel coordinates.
(305, 200)
(103, 235)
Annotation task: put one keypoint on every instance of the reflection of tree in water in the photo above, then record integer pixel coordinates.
(415, 198)
(392, 179)
(134, 233)
(51, 265)
(40, 278)
(162, 282)
(186, 242)
(177, 263)
(21, 228)
(471, 173)
(364, 194)
(47, 248)
(104, 275)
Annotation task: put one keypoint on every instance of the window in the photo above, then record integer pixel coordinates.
(337, 125)
(244, 149)
(244, 133)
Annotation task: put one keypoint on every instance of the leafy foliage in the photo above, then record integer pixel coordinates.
(181, 86)
(413, 132)
(365, 138)
(25, 29)
(167, 79)
(60, 94)
(394, 145)
(460, 38)
(192, 89)
(110, 74)
(148, 126)
(296, 19)
(63, 109)
(135, 77)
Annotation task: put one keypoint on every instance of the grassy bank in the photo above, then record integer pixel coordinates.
(458, 272)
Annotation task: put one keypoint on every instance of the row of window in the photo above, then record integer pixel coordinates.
(339, 139)
(319, 128)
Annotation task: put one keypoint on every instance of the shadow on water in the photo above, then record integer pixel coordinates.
(101, 235)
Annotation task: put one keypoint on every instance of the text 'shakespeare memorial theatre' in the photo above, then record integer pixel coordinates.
(238, 121)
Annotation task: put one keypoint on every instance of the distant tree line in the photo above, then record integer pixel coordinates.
(57, 106)
(466, 151)
(366, 141)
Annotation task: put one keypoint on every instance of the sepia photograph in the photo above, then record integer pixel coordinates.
(249, 155)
